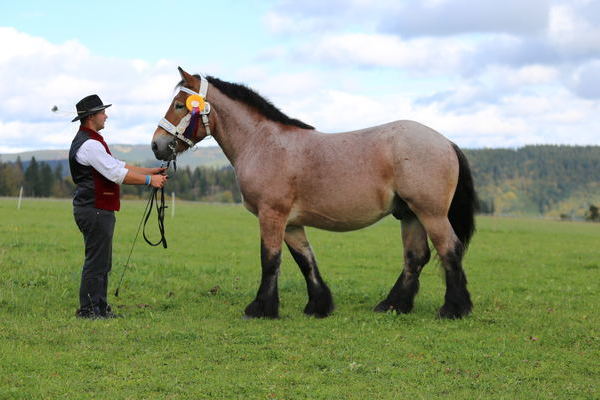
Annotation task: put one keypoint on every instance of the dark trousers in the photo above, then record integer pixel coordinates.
(97, 227)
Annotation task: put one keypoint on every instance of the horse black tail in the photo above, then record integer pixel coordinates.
(464, 203)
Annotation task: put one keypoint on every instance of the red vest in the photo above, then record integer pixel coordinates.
(106, 192)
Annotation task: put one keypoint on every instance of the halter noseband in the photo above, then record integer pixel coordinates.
(184, 130)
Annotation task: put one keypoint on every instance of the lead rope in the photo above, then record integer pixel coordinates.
(145, 216)
(160, 211)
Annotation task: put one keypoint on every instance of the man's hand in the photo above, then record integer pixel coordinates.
(158, 180)
(155, 171)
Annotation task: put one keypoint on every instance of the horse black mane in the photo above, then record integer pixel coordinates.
(248, 96)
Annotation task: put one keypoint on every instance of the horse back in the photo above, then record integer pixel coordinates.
(349, 180)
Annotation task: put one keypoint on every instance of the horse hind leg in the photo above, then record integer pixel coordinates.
(416, 255)
(457, 300)
(320, 301)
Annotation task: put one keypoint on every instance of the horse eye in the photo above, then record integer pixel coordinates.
(179, 106)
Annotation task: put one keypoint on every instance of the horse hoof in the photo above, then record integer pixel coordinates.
(454, 311)
(258, 309)
(386, 306)
(318, 310)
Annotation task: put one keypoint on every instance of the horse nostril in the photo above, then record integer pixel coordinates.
(154, 147)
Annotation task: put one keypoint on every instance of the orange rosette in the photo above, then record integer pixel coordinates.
(195, 101)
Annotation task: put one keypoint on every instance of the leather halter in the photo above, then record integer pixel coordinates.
(179, 131)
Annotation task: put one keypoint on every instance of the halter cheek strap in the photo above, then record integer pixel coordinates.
(179, 131)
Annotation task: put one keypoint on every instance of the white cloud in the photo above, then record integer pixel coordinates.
(455, 33)
(487, 127)
(373, 50)
(418, 18)
(409, 18)
(38, 74)
(531, 75)
(586, 80)
(512, 120)
(28, 135)
(335, 111)
(290, 84)
(572, 31)
(287, 24)
(317, 16)
(17, 45)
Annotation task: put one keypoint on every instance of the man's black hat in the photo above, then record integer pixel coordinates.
(89, 105)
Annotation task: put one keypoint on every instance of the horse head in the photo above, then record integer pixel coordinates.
(186, 121)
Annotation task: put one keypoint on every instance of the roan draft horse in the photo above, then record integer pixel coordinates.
(292, 176)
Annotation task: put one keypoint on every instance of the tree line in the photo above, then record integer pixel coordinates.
(40, 179)
(536, 179)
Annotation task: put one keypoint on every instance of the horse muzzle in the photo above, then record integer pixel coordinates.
(163, 147)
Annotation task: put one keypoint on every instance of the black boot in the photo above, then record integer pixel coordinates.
(108, 313)
(88, 312)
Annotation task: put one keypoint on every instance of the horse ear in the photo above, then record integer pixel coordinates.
(184, 75)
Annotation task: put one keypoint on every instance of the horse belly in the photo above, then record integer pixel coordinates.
(346, 214)
(338, 226)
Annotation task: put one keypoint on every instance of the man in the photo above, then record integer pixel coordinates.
(97, 175)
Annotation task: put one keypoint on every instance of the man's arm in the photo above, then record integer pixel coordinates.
(144, 171)
(92, 153)
(138, 176)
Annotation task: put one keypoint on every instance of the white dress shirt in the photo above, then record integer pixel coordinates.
(92, 153)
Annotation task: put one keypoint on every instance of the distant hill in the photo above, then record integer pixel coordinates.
(532, 180)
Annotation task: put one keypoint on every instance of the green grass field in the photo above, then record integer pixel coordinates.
(533, 333)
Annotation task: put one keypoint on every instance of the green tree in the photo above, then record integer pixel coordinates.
(32, 179)
(19, 164)
(593, 214)
(11, 179)
(58, 187)
(46, 180)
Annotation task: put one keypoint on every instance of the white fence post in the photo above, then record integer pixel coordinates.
(20, 198)
(172, 204)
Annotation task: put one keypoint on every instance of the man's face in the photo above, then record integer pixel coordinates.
(97, 120)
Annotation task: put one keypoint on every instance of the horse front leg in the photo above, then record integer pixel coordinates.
(266, 303)
(320, 302)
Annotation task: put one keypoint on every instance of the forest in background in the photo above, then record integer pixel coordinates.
(51, 179)
(557, 181)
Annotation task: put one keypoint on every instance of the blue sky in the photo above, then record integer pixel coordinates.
(150, 30)
(485, 74)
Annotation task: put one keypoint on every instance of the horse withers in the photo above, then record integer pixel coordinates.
(292, 176)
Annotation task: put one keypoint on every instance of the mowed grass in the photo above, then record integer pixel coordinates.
(533, 333)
